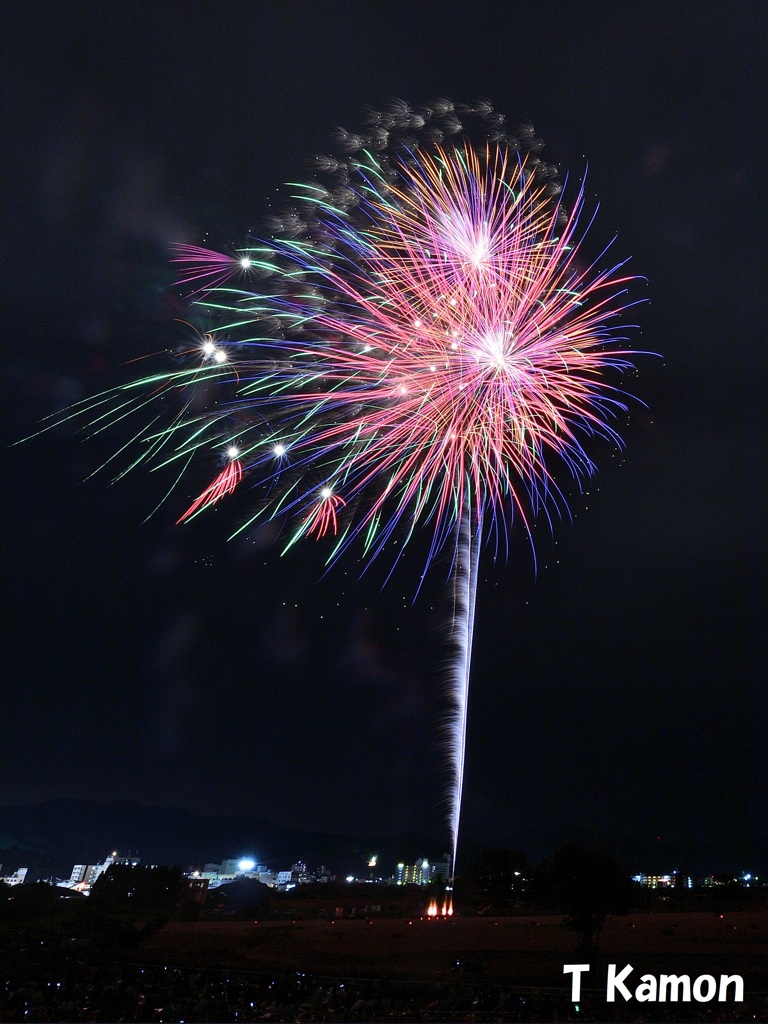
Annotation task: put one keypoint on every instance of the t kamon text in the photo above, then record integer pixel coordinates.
(667, 988)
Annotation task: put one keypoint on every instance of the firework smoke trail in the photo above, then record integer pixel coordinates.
(465, 574)
(426, 347)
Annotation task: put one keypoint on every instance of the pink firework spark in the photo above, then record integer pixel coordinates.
(323, 517)
(224, 484)
(465, 347)
(207, 269)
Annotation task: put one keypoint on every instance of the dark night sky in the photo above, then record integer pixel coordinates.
(621, 689)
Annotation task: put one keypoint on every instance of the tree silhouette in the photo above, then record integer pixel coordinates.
(500, 876)
(589, 886)
(139, 890)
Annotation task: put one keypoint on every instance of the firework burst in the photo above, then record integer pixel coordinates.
(425, 348)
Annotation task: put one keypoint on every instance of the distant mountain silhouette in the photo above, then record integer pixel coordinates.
(49, 838)
(648, 855)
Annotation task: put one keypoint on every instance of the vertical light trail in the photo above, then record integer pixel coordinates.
(465, 572)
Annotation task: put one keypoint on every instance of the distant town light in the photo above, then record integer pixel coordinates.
(246, 864)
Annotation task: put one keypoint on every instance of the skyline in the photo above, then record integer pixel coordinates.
(624, 683)
(45, 840)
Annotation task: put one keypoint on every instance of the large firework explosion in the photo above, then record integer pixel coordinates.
(418, 344)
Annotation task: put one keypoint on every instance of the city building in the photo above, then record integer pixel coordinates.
(237, 867)
(423, 872)
(84, 875)
(17, 878)
(442, 868)
(419, 873)
(245, 867)
(673, 880)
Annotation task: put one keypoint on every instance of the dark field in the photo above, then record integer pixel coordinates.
(478, 970)
(515, 950)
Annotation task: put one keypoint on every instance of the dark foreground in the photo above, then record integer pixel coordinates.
(126, 992)
(464, 970)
